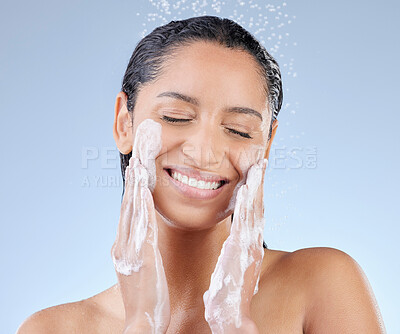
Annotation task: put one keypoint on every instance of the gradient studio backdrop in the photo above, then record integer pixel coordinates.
(333, 174)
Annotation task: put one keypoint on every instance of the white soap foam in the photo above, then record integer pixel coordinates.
(244, 161)
(129, 260)
(147, 146)
(125, 267)
(219, 314)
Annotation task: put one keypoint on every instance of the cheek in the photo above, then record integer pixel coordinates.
(169, 141)
(243, 159)
(168, 137)
(248, 156)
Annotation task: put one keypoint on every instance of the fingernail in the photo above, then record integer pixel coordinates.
(265, 163)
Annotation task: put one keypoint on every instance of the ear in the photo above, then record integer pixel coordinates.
(273, 131)
(122, 128)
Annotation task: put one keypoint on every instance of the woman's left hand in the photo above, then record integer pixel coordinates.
(237, 272)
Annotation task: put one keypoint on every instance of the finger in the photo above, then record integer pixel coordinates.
(126, 207)
(152, 237)
(259, 221)
(259, 200)
(254, 178)
(119, 250)
(240, 213)
(138, 227)
(265, 164)
(253, 182)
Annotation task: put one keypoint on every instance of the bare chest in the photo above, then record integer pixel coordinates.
(273, 314)
(276, 309)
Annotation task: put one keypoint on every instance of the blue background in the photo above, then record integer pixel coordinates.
(333, 174)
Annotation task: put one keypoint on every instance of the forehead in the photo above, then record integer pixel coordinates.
(214, 73)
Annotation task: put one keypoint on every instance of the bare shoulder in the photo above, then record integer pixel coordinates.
(65, 318)
(316, 264)
(85, 316)
(337, 295)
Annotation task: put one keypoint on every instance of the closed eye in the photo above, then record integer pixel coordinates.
(175, 120)
(182, 120)
(243, 134)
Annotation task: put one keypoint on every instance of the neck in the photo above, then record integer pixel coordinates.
(189, 258)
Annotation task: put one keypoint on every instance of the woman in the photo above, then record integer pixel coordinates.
(194, 121)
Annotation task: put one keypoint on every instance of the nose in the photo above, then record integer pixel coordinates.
(204, 148)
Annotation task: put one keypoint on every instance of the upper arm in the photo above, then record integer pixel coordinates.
(340, 297)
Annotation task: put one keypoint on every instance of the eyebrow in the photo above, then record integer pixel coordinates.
(194, 101)
(180, 96)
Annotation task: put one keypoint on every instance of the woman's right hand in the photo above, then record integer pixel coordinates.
(137, 259)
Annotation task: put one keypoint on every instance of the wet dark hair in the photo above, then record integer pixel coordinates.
(151, 53)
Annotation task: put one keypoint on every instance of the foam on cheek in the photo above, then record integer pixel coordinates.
(147, 146)
(254, 178)
(244, 163)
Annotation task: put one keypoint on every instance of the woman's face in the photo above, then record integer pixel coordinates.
(218, 98)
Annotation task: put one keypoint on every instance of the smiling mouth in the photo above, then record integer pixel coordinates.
(195, 182)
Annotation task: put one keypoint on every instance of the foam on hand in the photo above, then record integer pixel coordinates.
(126, 251)
(140, 174)
(138, 231)
(223, 298)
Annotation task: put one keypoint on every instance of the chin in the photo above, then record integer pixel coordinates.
(189, 217)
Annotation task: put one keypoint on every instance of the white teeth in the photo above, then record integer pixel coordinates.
(176, 176)
(193, 182)
(200, 184)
